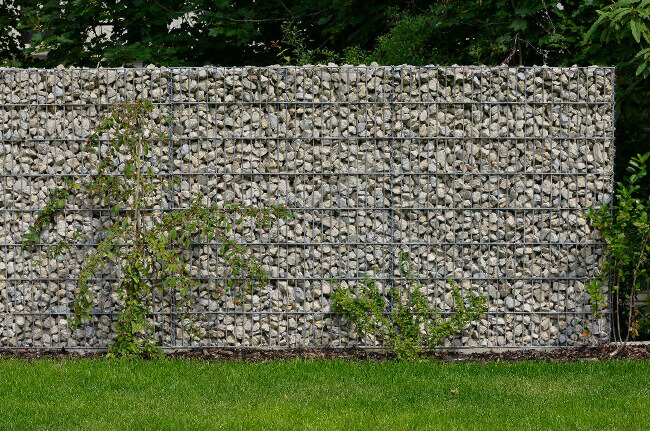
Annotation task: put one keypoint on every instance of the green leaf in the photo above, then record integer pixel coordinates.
(636, 31)
(519, 24)
(129, 170)
(524, 10)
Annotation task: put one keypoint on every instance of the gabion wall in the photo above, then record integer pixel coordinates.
(482, 175)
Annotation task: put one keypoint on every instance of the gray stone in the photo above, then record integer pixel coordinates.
(511, 303)
(307, 138)
(89, 332)
(58, 91)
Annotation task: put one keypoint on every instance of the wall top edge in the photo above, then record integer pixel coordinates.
(324, 67)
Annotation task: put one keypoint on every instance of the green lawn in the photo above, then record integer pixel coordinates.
(322, 395)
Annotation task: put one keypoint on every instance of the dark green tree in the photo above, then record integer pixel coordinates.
(10, 47)
(195, 32)
(91, 33)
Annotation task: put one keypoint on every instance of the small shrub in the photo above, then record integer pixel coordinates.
(625, 267)
(405, 321)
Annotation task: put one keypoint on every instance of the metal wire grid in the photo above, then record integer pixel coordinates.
(356, 160)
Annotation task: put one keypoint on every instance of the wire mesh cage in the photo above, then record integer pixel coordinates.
(479, 175)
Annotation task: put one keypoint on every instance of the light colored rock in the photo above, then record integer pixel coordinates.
(478, 175)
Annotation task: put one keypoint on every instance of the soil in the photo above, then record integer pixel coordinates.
(597, 353)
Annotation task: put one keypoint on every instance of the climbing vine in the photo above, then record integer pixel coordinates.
(145, 242)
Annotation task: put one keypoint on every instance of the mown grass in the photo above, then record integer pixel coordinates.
(174, 394)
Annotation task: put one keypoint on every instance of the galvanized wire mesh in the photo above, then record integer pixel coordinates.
(481, 175)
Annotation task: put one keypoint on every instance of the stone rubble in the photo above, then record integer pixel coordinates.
(483, 175)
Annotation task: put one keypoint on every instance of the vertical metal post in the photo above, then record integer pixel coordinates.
(173, 315)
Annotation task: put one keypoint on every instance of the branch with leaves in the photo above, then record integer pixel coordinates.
(627, 235)
(144, 242)
(620, 21)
